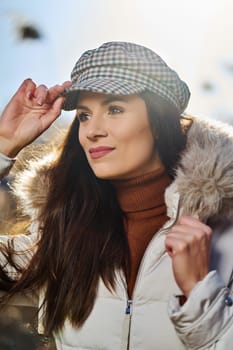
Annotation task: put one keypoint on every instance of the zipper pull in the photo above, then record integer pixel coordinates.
(128, 307)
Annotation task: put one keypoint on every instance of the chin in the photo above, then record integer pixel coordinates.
(101, 173)
(106, 174)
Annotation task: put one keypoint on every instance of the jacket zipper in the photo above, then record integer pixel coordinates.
(129, 302)
(127, 325)
(128, 307)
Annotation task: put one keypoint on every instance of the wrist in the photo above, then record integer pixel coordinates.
(187, 288)
(8, 148)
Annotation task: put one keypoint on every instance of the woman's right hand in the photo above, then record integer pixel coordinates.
(29, 113)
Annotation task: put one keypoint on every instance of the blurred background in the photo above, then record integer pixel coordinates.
(43, 39)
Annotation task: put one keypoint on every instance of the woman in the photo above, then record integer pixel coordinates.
(131, 217)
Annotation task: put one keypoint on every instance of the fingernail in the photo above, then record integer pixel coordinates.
(39, 101)
(29, 94)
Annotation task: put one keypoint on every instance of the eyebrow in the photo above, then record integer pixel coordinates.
(106, 101)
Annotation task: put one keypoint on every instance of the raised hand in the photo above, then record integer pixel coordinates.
(28, 114)
(188, 245)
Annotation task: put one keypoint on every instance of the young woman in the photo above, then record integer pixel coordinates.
(131, 218)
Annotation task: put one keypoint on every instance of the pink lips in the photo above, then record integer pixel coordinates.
(98, 152)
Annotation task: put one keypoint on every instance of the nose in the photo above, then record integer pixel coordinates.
(96, 129)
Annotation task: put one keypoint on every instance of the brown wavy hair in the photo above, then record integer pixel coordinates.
(82, 235)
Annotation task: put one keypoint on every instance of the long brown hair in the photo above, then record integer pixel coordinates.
(82, 235)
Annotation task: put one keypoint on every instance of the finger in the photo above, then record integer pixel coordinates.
(54, 92)
(57, 90)
(67, 84)
(27, 88)
(194, 241)
(57, 106)
(188, 232)
(195, 223)
(53, 114)
(192, 244)
(174, 244)
(41, 94)
(195, 237)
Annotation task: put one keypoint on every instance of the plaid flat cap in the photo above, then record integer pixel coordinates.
(122, 68)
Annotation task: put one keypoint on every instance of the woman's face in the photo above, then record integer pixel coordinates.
(116, 136)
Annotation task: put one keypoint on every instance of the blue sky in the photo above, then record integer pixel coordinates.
(181, 31)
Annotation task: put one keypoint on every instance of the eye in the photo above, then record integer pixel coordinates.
(115, 110)
(82, 117)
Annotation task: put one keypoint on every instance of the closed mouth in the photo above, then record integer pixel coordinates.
(98, 152)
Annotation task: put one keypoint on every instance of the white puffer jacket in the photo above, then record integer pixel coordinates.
(153, 319)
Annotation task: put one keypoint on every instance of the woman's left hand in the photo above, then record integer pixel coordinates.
(188, 245)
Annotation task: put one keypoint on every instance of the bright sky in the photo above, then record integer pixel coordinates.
(183, 32)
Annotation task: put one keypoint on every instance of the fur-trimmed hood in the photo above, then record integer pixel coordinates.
(205, 173)
(204, 179)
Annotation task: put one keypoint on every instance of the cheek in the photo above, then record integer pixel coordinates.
(140, 138)
(143, 145)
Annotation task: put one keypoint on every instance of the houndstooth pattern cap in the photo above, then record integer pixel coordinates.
(123, 68)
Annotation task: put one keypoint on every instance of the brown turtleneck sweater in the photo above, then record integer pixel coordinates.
(142, 201)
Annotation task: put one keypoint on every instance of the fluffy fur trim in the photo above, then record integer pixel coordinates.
(205, 174)
(31, 185)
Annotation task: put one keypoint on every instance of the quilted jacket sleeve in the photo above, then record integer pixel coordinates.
(20, 242)
(205, 321)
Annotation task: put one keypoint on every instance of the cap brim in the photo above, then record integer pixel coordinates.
(99, 85)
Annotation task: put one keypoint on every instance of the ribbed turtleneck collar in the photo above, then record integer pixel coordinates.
(142, 193)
